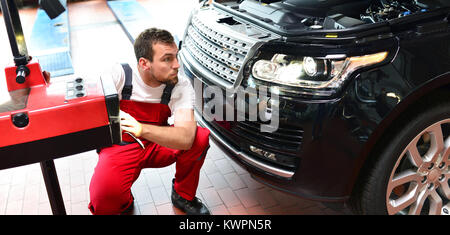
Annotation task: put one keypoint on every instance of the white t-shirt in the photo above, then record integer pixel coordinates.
(183, 96)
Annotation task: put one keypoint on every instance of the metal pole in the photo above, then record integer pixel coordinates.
(53, 189)
(15, 33)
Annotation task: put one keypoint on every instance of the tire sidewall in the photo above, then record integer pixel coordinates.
(374, 195)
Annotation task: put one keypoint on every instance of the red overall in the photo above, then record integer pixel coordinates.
(120, 165)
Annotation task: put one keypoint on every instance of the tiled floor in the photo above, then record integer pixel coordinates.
(97, 41)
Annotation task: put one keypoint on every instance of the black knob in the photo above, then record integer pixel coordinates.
(20, 120)
(21, 73)
(78, 80)
(20, 78)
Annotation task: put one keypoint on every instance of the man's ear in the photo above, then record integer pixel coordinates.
(143, 63)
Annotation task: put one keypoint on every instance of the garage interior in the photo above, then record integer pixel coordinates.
(96, 41)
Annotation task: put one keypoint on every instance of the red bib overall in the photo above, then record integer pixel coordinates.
(119, 166)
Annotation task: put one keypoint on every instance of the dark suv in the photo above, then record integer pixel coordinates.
(360, 90)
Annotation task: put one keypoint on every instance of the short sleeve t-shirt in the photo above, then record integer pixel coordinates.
(183, 96)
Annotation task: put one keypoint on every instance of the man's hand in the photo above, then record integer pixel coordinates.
(128, 123)
(180, 136)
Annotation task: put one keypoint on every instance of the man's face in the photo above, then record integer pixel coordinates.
(164, 67)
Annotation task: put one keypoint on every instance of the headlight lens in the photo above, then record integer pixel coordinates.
(309, 72)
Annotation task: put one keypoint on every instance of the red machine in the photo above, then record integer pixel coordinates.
(41, 121)
(44, 121)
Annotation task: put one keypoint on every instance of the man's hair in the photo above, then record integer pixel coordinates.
(143, 45)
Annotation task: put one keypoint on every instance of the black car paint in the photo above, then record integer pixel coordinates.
(341, 130)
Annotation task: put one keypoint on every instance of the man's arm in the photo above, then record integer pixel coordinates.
(180, 136)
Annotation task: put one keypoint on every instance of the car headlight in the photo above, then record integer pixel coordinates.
(309, 72)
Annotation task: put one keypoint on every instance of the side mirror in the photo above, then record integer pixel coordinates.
(53, 8)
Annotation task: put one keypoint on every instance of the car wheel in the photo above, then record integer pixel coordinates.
(411, 174)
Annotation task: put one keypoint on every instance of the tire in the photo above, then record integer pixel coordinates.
(411, 173)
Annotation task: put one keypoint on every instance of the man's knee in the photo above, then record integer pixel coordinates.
(199, 147)
(107, 198)
(201, 142)
(110, 203)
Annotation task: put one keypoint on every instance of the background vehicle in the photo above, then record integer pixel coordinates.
(364, 96)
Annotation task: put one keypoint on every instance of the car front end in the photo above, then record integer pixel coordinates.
(296, 94)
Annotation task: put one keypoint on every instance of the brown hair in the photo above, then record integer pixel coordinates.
(143, 45)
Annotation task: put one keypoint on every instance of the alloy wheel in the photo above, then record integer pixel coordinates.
(419, 181)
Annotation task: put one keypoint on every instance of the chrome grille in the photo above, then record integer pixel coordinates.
(286, 140)
(221, 54)
(230, 42)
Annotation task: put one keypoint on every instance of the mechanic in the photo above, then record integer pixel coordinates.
(149, 95)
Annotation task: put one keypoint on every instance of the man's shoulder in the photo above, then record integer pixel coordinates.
(121, 66)
(116, 73)
(118, 70)
(182, 94)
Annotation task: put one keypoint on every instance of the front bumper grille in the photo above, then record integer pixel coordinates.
(284, 143)
(235, 151)
(221, 54)
(284, 140)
